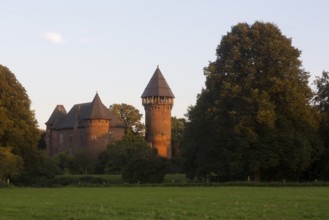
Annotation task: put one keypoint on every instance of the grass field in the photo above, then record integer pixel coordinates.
(165, 203)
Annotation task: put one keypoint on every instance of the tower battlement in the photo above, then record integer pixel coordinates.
(156, 100)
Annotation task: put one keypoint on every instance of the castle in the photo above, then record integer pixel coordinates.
(86, 127)
(92, 126)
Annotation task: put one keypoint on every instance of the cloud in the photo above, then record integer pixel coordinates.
(54, 37)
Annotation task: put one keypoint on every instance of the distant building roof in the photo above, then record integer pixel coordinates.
(157, 86)
(84, 111)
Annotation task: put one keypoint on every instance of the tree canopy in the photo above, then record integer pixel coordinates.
(177, 131)
(118, 154)
(130, 116)
(254, 117)
(321, 101)
(18, 126)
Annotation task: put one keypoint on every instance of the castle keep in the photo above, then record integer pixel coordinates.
(86, 127)
(158, 101)
(91, 126)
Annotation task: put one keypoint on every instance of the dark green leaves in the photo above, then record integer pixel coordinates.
(254, 115)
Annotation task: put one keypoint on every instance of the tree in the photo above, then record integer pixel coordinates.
(38, 170)
(320, 169)
(150, 170)
(18, 126)
(83, 163)
(41, 141)
(130, 116)
(120, 153)
(177, 131)
(11, 165)
(254, 117)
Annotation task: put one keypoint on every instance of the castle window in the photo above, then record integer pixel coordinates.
(61, 138)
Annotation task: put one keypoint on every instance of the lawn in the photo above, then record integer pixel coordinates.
(165, 203)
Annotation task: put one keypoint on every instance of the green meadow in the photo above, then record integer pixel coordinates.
(165, 203)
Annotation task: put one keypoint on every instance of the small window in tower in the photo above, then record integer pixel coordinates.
(61, 138)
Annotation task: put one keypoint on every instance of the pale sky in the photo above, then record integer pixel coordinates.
(64, 51)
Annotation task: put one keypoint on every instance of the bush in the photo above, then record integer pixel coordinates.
(150, 170)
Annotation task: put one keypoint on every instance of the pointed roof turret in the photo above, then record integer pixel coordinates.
(57, 116)
(96, 110)
(157, 86)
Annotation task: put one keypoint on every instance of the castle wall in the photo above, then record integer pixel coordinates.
(116, 134)
(97, 135)
(92, 136)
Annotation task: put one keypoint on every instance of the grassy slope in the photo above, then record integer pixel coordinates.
(165, 203)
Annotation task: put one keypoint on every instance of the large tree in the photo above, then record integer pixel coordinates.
(253, 118)
(130, 116)
(18, 126)
(320, 169)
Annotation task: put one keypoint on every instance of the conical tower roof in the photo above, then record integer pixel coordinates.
(57, 116)
(157, 86)
(96, 110)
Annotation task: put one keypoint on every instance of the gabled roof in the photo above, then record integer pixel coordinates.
(57, 116)
(157, 86)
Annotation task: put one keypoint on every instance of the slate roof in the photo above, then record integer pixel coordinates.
(157, 86)
(84, 111)
(96, 110)
(57, 116)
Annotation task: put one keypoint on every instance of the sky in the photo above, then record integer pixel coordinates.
(65, 51)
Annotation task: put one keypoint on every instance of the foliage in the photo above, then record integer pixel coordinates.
(145, 170)
(130, 116)
(64, 162)
(18, 126)
(41, 141)
(11, 165)
(83, 163)
(80, 163)
(38, 170)
(254, 117)
(119, 154)
(320, 169)
(177, 131)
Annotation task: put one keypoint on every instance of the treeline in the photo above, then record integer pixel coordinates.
(256, 119)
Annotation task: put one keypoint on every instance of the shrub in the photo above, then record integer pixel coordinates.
(150, 170)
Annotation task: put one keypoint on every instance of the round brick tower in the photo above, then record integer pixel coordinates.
(158, 101)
